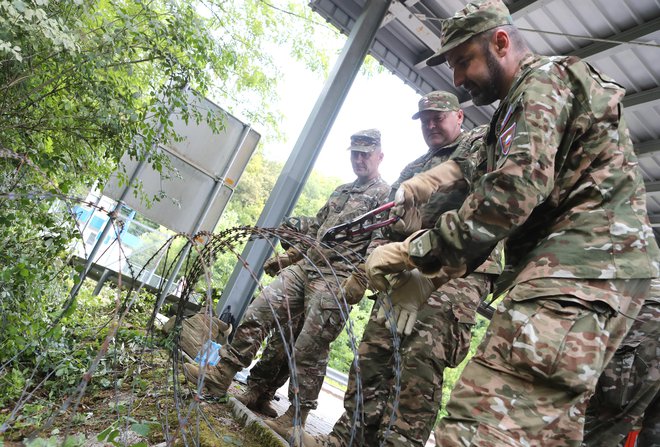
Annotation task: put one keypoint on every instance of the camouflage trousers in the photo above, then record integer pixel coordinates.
(272, 370)
(628, 386)
(376, 412)
(649, 436)
(531, 378)
(293, 294)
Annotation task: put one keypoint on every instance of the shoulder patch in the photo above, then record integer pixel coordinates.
(507, 115)
(506, 138)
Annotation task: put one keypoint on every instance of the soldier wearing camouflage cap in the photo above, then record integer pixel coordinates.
(432, 337)
(314, 290)
(439, 102)
(367, 140)
(558, 180)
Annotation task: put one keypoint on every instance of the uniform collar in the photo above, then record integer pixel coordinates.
(448, 148)
(367, 185)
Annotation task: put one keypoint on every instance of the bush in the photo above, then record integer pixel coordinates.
(341, 350)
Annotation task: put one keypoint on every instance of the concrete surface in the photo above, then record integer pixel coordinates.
(321, 420)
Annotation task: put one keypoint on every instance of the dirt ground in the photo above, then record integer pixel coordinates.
(141, 410)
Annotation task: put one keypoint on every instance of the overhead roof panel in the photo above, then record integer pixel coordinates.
(608, 37)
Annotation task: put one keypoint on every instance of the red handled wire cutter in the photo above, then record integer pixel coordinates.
(360, 225)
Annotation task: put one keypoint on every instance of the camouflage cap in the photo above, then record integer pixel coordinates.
(477, 16)
(365, 140)
(440, 101)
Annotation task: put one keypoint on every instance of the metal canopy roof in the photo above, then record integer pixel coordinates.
(411, 32)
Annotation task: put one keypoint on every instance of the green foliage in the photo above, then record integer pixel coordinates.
(82, 84)
(341, 352)
(250, 197)
(11, 385)
(80, 81)
(252, 192)
(315, 193)
(112, 434)
(54, 441)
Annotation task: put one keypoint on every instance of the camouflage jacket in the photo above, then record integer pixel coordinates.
(557, 178)
(442, 202)
(345, 204)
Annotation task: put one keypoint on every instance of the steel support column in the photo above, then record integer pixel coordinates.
(241, 284)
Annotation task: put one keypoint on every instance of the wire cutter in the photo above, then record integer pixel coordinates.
(359, 225)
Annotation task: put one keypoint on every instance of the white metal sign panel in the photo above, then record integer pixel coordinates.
(206, 169)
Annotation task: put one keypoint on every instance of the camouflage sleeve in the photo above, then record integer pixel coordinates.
(377, 236)
(471, 154)
(441, 202)
(313, 224)
(525, 143)
(467, 156)
(298, 223)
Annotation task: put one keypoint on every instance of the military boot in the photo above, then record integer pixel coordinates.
(257, 400)
(216, 378)
(284, 423)
(307, 440)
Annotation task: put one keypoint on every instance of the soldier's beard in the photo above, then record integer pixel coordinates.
(489, 92)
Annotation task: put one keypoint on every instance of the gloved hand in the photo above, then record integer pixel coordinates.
(320, 256)
(274, 264)
(410, 218)
(410, 290)
(354, 286)
(386, 259)
(386, 308)
(225, 331)
(418, 190)
(294, 224)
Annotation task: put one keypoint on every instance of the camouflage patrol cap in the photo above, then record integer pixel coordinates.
(477, 16)
(365, 140)
(440, 101)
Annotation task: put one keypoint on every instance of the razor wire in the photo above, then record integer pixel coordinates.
(198, 266)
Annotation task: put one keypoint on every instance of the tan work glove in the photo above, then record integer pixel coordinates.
(320, 255)
(274, 264)
(410, 290)
(387, 259)
(225, 331)
(418, 190)
(410, 218)
(386, 308)
(354, 286)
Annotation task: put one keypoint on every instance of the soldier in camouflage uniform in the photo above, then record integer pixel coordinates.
(627, 393)
(271, 372)
(312, 287)
(558, 180)
(440, 336)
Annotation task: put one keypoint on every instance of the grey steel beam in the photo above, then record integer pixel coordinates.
(415, 25)
(643, 97)
(625, 36)
(523, 7)
(280, 203)
(652, 186)
(648, 147)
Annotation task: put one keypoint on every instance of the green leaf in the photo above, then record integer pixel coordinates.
(19, 5)
(141, 429)
(108, 435)
(74, 441)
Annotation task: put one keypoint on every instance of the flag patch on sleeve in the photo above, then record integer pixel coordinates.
(506, 138)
